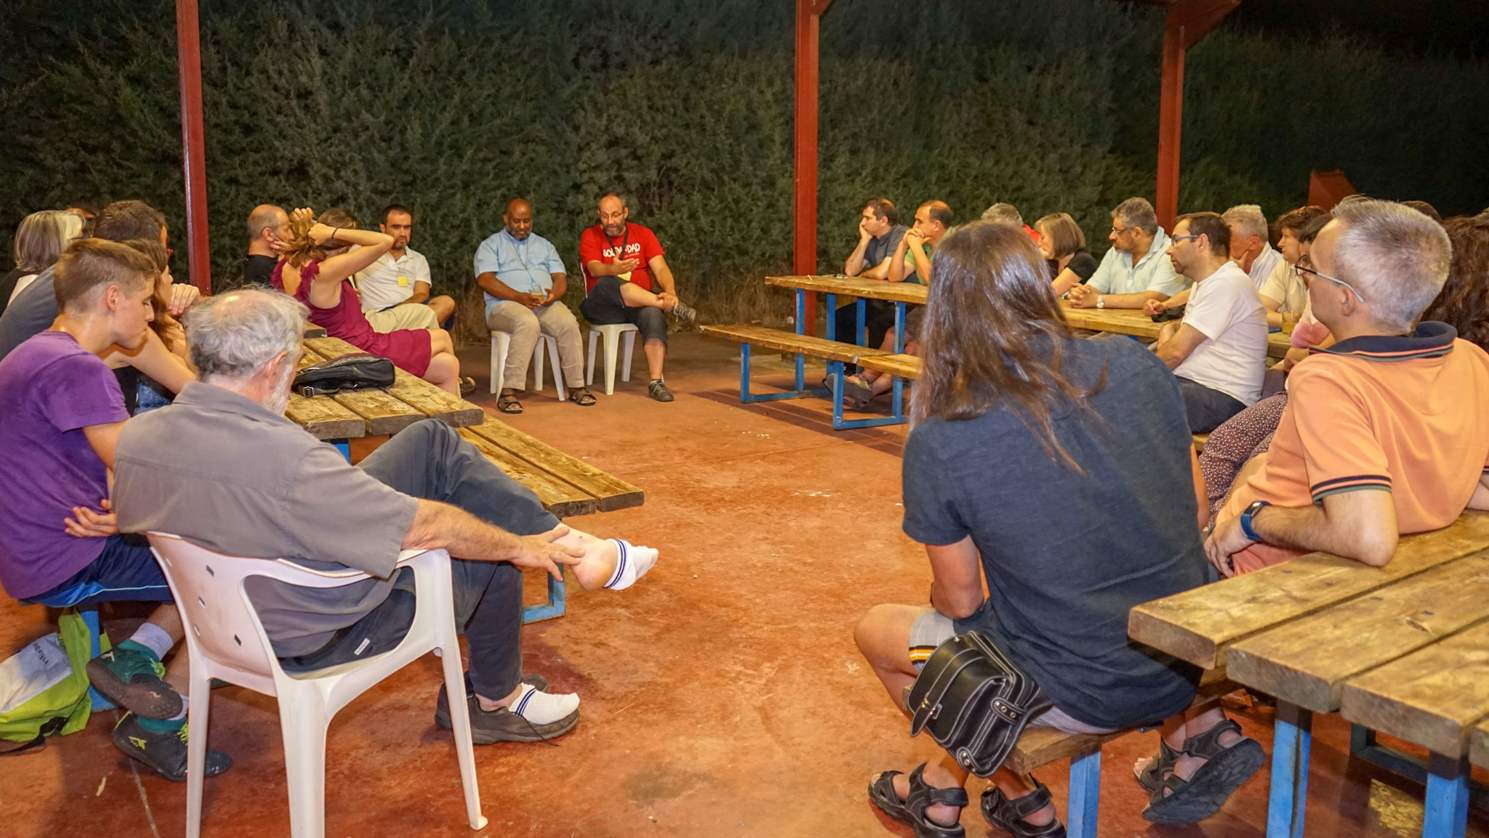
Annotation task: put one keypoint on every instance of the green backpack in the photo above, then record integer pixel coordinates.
(44, 686)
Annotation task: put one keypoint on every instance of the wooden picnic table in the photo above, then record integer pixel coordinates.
(1136, 324)
(355, 414)
(853, 286)
(1402, 649)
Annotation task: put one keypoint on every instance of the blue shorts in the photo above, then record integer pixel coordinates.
(126, 571)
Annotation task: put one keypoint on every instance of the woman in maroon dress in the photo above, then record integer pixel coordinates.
(316, 269)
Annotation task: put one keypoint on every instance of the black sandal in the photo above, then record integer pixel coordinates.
(1151, 777)
(1179, 801)
(507, 403)
(1008, 814)
(911, 810)
(582, 397)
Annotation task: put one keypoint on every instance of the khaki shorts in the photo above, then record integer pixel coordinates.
(932, 628)
(403, 316)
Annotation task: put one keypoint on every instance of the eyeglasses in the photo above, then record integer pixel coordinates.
(1117, 232)
(1306, 271)
(1185, 238)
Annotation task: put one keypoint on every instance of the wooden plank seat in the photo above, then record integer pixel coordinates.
(902, 365)
(784, 341)
(835, 353)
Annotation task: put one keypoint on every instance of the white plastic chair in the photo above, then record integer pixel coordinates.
(612, 334)
(502, 341)
(226, 641)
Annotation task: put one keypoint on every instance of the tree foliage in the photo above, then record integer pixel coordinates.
(453, 107)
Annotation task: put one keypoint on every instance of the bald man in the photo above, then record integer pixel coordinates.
(524, 281)
(627, 280)
(265, 224)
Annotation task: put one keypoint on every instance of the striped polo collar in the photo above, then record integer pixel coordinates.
(1431, 339)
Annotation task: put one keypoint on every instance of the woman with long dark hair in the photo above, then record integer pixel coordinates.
(1058, 471)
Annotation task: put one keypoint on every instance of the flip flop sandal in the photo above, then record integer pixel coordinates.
(582, 397)
(1009, 814)
(1225, 769)
(911, 810)
(507, 403)
(1151, 777)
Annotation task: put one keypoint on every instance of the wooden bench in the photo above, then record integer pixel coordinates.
(1390, 648)
(835, 353)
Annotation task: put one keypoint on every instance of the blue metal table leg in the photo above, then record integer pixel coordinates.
(1288, 799)
(344, 446)
(1446, 813)
(801, 360)
(1085, 795)
(555, 606)
(835, 371)
(95, 639)
(860, 332)
(899, 328)
(744, 372)
(830, 317)
(1362, 745)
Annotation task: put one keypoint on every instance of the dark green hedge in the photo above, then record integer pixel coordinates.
(454, 107)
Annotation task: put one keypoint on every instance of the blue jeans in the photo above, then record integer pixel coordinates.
(1206, 408)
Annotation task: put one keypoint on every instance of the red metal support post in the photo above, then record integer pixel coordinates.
(193, 143)
(804, 200)
(1188, 22)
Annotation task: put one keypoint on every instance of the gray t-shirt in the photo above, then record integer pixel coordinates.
(30, 313)
(883, 247)
(221, 471)
(1067, 555)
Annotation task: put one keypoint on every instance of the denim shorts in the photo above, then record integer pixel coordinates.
(126, 571)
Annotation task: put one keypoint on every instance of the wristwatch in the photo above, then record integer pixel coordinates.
(1100, 301)
(1249, 515)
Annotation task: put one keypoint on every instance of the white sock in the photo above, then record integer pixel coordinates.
(542, 708)
(632, 564)
(154, 638)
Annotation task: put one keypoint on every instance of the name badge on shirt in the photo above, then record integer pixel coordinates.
(403, 280)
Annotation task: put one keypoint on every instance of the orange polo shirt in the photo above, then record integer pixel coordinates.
(1406, 414)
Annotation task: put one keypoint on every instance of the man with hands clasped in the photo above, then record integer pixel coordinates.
(524, 282)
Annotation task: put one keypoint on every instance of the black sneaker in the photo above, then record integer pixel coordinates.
(164, 752)
(657, 389)
(502, 725)
(130, 675)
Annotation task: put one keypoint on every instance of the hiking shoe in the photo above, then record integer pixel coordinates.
(502, 725)
(685, 313)
(657, 389)
(130, 675)
(163, 751)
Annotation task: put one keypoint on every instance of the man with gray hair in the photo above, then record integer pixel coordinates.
(1135, 269)
(295, 497)
(1382, 436)
(1006, 213)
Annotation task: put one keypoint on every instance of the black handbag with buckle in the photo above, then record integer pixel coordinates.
(974, 701)
(358, 371)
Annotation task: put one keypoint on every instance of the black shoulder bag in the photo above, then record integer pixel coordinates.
(358, 371)
(974, 701)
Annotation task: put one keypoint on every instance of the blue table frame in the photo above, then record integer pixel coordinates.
(835, 369)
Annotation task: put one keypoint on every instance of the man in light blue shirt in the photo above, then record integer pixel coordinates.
(1136, 269)
(524, 281)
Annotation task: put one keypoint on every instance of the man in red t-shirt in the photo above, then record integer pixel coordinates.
(626, 280)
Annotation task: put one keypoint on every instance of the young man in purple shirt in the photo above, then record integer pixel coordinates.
(59, 539)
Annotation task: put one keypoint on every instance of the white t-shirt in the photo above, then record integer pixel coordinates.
(1232, 358)
(21, 284)
(1286, 287)
(390, 281)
